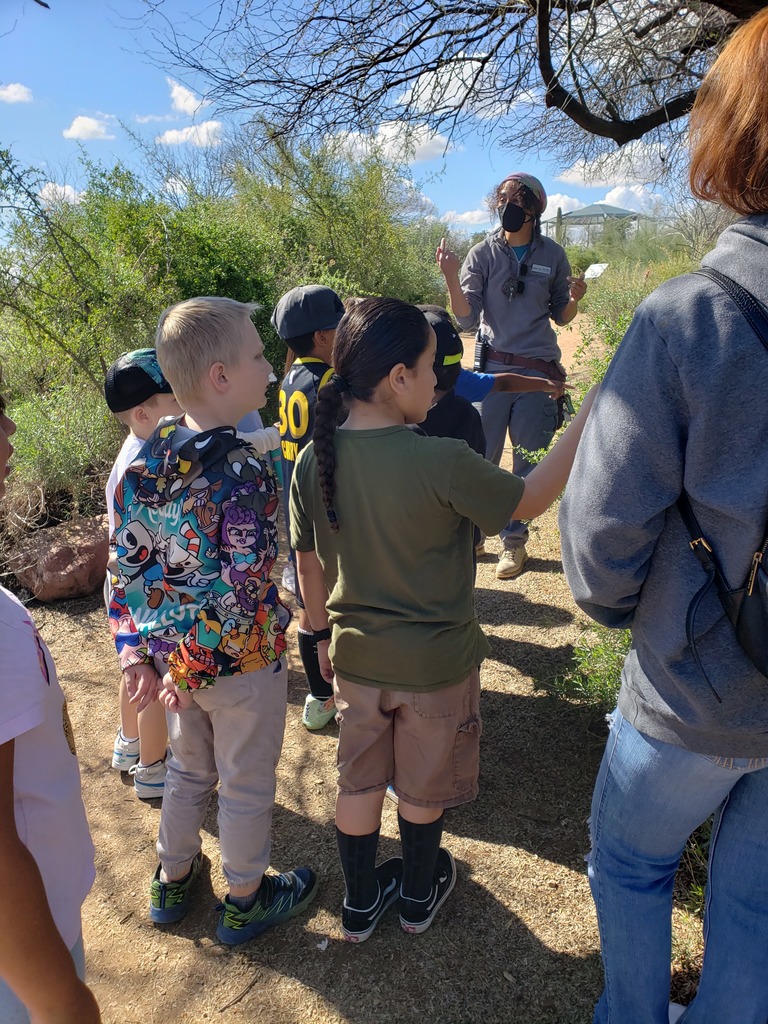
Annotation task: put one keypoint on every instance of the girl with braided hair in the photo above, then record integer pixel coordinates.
(382, 521)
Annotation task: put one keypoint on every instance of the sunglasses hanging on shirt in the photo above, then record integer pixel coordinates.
(515, 285)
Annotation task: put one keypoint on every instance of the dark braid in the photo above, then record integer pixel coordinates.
(373, 337)
(327, 410)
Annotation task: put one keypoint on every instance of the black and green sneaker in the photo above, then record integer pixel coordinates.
(279, 898)
(169, 901)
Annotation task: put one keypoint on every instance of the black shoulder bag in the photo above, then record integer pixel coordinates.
(747, 605)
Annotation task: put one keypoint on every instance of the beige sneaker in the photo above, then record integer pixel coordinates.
(480, 549)
(511, 563)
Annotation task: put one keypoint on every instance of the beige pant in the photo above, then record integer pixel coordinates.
(232, 734)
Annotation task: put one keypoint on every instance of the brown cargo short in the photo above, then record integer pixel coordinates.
(426, 744)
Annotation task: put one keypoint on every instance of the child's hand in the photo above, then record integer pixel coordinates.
(324, 661)
(555, 388)
(174, 699)
(447, 260)
(143, 684)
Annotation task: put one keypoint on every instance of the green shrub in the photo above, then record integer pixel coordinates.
(65, 444)
(610, 304)
(595, 676)
(581, 256)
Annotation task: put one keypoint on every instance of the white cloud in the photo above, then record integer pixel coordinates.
(153, 118)
(53, 194)
(87, 128)
(208, 133)
(471, 217)
(14, 92)
(566, 203)
(636, 163)
(445, 88)
(183, 100)
(176, 187)
(397, 141)
(637, 198)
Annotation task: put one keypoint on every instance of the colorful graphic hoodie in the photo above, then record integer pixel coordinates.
(196, 539)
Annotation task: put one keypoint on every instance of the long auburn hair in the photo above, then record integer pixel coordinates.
(729, 124)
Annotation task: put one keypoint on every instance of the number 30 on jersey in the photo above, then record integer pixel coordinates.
(294, 415)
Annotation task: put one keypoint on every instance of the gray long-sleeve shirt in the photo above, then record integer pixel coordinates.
(521, 324)
(682, 405)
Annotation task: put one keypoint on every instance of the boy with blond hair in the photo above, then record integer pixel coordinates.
(139, 396)
(200, 505)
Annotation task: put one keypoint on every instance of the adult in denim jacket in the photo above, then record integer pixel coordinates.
(682, 407)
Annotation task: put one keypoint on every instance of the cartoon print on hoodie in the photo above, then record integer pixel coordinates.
(196, 539)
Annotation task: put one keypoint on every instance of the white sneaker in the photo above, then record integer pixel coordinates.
(149, 780)
(289, 578)
(317, 713)
(676, 1011)
(126, 752)
(511, 563)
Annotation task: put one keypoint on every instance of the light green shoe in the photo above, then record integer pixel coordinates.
(317, 713)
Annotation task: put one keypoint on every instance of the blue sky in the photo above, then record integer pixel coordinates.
(72, 74)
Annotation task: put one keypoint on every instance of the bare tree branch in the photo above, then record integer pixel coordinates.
(591, 73)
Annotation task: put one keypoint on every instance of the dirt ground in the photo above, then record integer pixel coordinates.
(517, 941)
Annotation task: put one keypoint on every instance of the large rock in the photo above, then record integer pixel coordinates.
(68, 560)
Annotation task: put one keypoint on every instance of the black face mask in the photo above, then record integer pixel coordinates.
(512, 217)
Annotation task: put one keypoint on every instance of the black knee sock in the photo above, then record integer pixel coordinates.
(318, 686)
(358, 862)
(420, 845)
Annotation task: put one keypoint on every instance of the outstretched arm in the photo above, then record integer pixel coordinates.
(546, 481)
(519, 382)
(34, 961)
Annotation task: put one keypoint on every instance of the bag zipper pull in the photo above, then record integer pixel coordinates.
(756, 560)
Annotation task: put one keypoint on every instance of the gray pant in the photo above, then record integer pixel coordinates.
(233, 734)
(529, 419)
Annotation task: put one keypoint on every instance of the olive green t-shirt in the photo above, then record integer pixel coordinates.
(400, 570)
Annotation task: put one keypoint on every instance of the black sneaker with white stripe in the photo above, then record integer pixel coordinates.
(417, 915)
(358, 925)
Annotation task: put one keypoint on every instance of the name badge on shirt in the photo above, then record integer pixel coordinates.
(537, 268)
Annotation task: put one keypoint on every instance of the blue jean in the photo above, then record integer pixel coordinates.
(529, 419)
(648, 799)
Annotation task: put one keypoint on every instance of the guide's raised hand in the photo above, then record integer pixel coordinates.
(447, 260)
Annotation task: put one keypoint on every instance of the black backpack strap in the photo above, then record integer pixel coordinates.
(699, 545)
(752, 310)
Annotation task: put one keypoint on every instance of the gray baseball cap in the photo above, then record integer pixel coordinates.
(307, 309)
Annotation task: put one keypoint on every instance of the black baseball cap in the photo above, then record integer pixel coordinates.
(307, 309)
(133, 378)
(450, 347)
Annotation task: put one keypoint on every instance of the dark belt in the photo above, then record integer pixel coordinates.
(549, 367)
